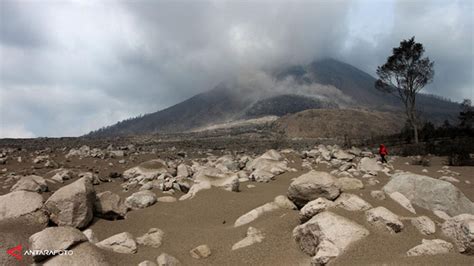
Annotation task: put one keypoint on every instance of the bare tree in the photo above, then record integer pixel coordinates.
(404, 74)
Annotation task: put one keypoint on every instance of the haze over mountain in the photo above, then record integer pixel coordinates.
(322, 84)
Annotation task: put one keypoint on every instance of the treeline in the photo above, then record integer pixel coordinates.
(452, 139)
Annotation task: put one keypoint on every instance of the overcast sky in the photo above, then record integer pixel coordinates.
(68, 67)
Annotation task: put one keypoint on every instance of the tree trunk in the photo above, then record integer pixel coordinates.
(415, 131)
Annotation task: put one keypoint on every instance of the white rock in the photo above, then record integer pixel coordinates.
(200, 252)
(461, 229)
(325, 252)
(313, 185)
(430, 247)
(424, 224)
(120, 243)
(449, 179)
(167, 260)
(348, 183)
(377, 194)
(329, 230)
(255, 213)
(152, 238)
(430, 193)
(149, 170)
(141, 199)
(32, 183)
(382, 217)
(369, 165)
(284, 203)
(90, 236)
(62, 175)
(147, 263)
(441, 214)
(402, 200)
(352, 202)
(314, 207)
(253, 236)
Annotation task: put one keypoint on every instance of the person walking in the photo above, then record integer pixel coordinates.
(383, 152)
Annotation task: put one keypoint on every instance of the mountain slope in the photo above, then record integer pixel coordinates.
(322, 84)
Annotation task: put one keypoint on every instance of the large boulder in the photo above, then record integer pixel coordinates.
(19, 203)
(313, 185)
(72, 205)
(461, 229)
(425, 225)
(430, 193)
(55, 238)
(32, 183)
(349, 183)
(120, 243)
(327, 235)
(141, 199)
(342, 155)
(109, 205)
(83, 254)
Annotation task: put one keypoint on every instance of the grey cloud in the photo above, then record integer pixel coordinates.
(70, 67)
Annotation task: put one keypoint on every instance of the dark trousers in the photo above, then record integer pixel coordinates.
(383, 158)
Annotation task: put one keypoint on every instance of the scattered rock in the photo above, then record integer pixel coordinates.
(72, 205)
(141, 199)
(382, 217)
(369, 165)
(402, 200)
(255, 213)
(19, 203)
(32, 183)
(349, 183)
(200, 252)
(431, 247)
(424, 224)
(62, 175)
(352, 202)
(120, 243)
(109, 205)
(377, 194)
(284, 203)
(314, 207)
(55, 238)
(90, 236)
(167, 260)
(147, 263)
(152, 238)
(333, 232)
(253, 236)
(313, 185)
(461, 229)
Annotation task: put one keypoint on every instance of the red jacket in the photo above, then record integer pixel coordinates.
(383, 150)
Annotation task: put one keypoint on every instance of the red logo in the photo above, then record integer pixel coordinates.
(15, 252)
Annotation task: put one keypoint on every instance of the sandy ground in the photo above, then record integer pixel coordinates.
(209, 217)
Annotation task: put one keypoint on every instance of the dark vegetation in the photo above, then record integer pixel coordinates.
(456, 141)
